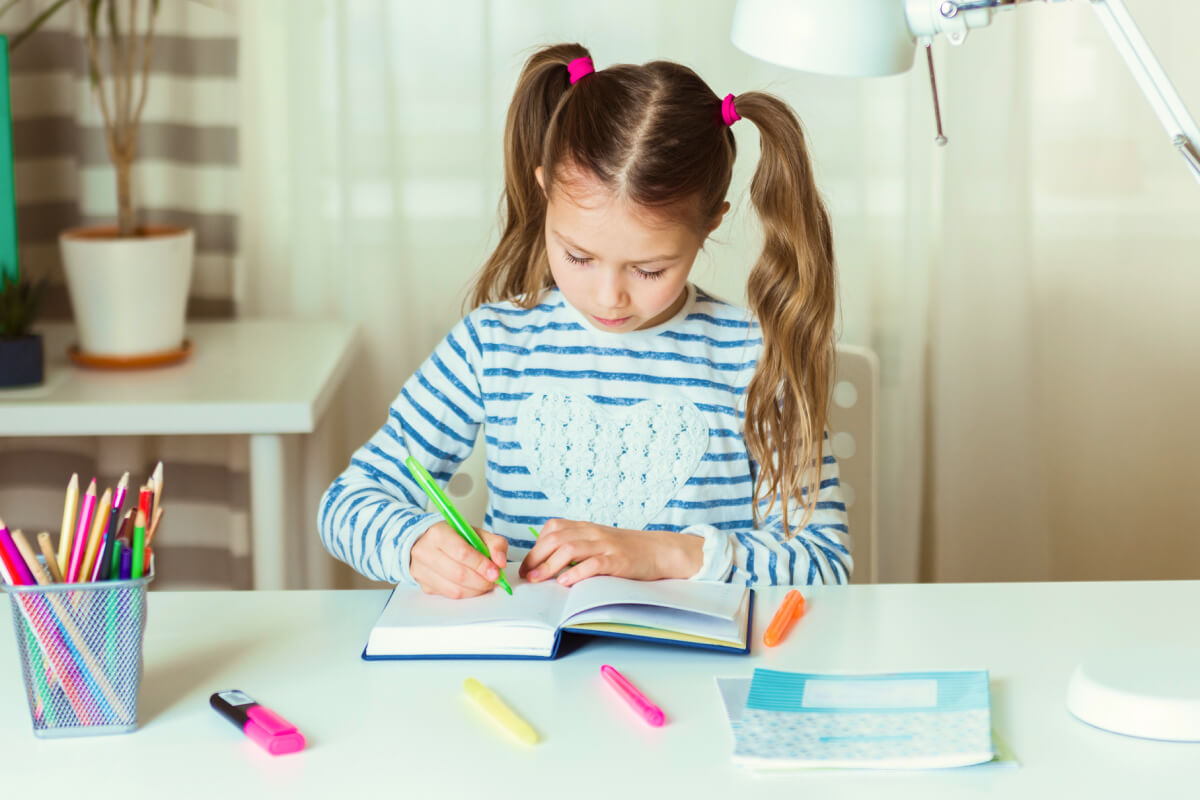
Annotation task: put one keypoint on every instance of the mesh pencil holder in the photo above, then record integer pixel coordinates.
(81, 654)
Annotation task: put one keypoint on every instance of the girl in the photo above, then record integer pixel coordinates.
(646, 428)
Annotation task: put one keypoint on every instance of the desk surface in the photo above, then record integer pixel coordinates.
(243, 377)
(402, 727)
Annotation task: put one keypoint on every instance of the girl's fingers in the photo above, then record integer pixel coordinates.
(584, 569)
(471, 559)
(553, 533)
(497, 546)
(432, 583)
(449, 569)
(535, 560)
(543, 549)
(563, 555)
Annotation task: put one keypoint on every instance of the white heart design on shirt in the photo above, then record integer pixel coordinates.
(612, 465)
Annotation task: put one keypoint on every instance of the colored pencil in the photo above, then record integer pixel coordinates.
(51, 559)
(158, 515)
(70, 508)
(102, 569)
(99, 524)
(114, 570)
(146, 501)
(31, 562)
(139, 546)
(122, 489)
(74, 640)
(13, 561)
(157, 477)
(120, 540)
(125, 532)
(99, 571)
(75, 564)
(6, 573)
(32, 645)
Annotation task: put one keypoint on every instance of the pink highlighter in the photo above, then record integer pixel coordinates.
(637, 701)
(269, 731)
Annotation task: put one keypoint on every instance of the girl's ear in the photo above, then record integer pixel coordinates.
(712, 226)
(537, 173)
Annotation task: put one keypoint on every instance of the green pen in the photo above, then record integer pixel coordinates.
(450, 513)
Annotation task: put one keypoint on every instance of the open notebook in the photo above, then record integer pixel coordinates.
(529, 624)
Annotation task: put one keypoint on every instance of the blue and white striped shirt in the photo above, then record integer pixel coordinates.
(517, 371)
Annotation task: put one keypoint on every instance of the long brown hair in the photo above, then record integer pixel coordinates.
(653, 134)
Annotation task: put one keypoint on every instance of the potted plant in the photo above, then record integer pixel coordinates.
(128, 282)
(20, 348)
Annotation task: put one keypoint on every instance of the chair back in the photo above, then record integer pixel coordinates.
(854, 434)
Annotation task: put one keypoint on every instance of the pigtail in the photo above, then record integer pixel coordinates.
(517, 269)
(791, 290)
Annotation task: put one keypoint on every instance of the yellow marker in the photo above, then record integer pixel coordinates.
(494, 706)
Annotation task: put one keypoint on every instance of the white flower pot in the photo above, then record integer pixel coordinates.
(129, 295)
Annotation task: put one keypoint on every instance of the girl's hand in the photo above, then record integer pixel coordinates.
(590, 549)
(442, 562)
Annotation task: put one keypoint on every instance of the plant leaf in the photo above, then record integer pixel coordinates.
(20, 302)
(94, 17)
(35, 24)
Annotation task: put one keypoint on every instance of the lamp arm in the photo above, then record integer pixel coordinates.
(1151, 79)
(927, 18)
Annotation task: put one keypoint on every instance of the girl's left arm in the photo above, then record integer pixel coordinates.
(817, 553)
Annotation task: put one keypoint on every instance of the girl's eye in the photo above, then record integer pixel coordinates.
(575, 259)
(650, 275)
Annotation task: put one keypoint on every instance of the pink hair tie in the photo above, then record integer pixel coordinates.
(728, 112)
(580, 67)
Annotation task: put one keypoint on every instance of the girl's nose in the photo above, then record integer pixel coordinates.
(610, 293)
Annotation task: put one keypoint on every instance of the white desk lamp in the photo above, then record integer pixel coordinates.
(1141, 692)
(866, 38)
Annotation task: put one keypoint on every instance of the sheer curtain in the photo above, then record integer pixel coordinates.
(984, 274)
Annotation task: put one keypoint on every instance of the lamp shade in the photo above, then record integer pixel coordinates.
(833, 37)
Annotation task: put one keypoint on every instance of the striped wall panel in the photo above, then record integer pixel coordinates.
(186, 173)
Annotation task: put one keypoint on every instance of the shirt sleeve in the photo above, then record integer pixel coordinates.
(374, 512)
(817, 553)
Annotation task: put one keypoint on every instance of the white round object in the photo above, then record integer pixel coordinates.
(831, 37)
(129, 295)
(1153, 693)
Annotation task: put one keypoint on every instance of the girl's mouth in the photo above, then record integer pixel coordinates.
(611, 323)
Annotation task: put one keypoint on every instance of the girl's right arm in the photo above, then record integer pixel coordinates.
(374, 512)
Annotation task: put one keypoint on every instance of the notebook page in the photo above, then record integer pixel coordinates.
(636, 617)
(524, 623)
(720, 600)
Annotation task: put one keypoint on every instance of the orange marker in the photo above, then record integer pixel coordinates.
(790, 610)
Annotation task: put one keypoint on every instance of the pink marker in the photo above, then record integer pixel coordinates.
(647, 710)
(267, 729)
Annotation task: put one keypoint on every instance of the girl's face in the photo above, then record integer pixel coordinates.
(621, 267)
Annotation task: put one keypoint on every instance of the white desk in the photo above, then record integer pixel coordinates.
(403, 728)
(263, 378)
